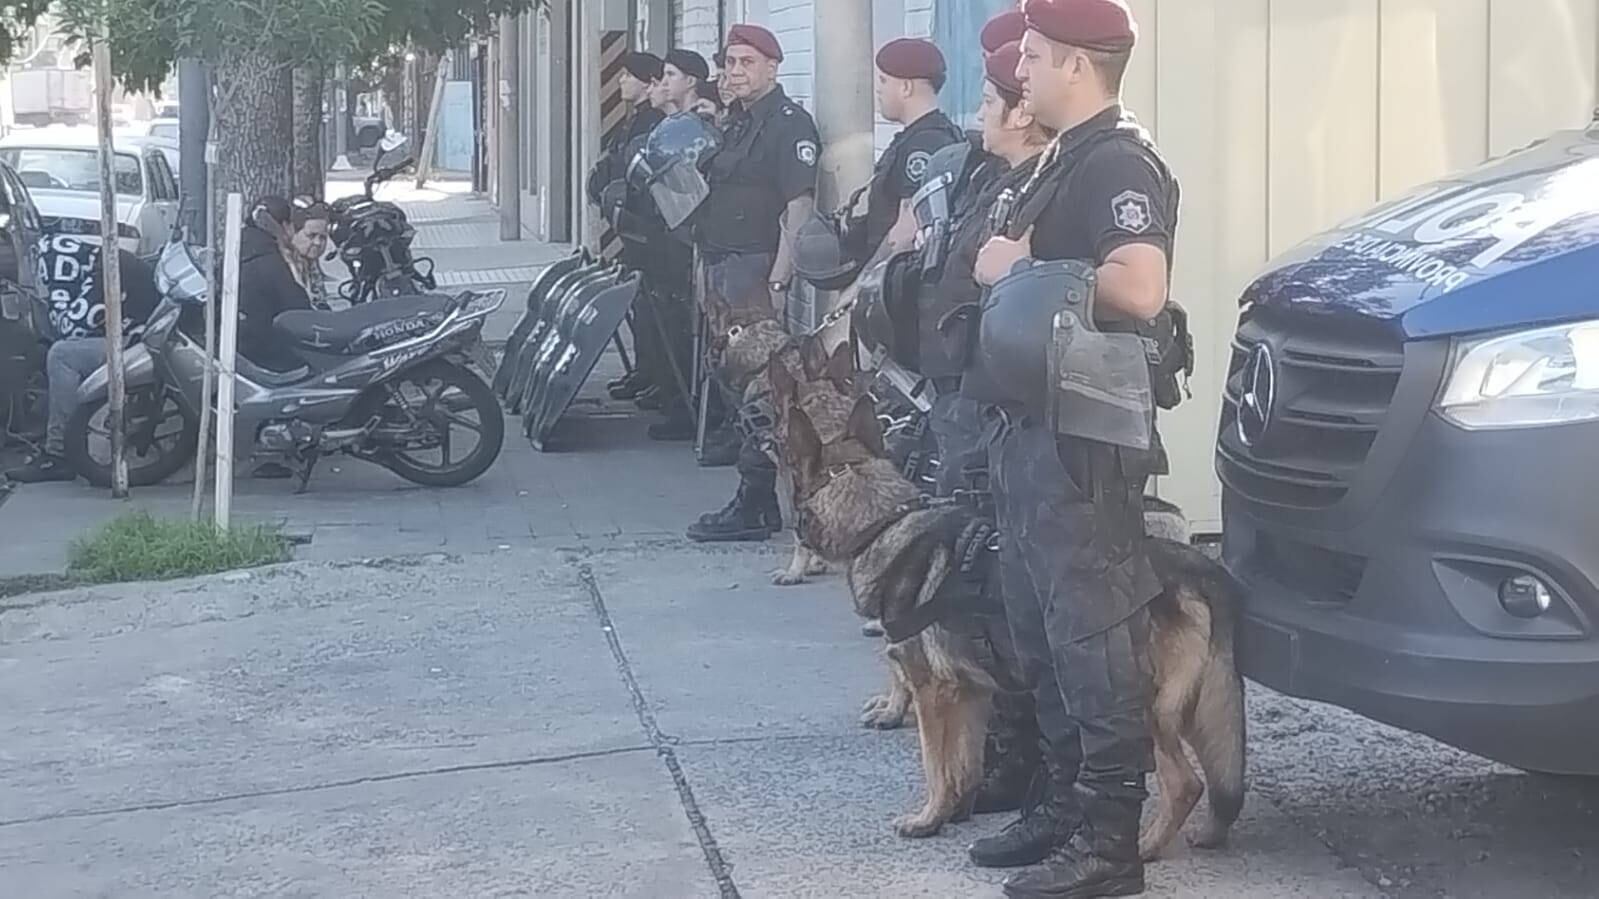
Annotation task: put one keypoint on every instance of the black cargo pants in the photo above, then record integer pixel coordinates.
(1076, 587)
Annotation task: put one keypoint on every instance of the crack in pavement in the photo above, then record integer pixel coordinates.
(663, 744)
(510, 764)
(331, 785)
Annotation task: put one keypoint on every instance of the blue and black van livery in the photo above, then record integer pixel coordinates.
(1409, 454)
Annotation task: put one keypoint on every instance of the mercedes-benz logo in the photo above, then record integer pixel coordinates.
(1258, 396)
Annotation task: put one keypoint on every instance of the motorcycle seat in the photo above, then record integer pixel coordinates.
(362, 328)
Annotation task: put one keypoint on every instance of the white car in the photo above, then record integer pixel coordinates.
(168, 146)
(61, 169)
(159, 127)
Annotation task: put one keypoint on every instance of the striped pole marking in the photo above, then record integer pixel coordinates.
(613, 117)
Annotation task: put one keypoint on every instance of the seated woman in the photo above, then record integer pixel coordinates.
(279, 253)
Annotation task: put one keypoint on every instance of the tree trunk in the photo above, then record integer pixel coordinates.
(309, 172)
(254, 127)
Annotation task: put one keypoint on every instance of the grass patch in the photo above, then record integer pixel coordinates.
(139, 547)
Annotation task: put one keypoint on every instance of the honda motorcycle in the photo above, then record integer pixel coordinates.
(387, 383)
(373, 239)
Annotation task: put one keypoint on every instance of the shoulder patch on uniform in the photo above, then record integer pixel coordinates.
(916, 165)
(1130, 210)
(806, 151)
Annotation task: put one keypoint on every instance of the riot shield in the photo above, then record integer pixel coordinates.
(538, 335)
(559, 336)
(536, 297)
(533, 339)
(593, 328)
(547, 343)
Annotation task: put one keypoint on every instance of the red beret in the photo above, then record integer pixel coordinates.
(757, 38)
(1002, 29)
(1001, 66)
(911, 58)
(1104, 25)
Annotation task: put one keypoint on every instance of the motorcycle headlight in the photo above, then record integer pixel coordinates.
(1546, 376)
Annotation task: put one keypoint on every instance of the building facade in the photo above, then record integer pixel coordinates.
(1281, 118)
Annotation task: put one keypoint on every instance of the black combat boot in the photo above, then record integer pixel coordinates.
(1049, 817)
(1100, 860)
(629, 387)
(1011, 757)
(752, 516)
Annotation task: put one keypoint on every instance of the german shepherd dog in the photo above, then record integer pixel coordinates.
(758, 359)
(859, 512)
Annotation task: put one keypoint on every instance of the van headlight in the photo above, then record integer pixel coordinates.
(1546, 376)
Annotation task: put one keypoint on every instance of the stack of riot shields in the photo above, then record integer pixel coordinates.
(574, 310)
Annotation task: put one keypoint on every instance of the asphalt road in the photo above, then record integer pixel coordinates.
(654, 720)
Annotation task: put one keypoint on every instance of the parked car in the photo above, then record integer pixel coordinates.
(168, 146)
(23, 323)
(1409, 423)
(165, 128)
(61, 169)
(21, 227)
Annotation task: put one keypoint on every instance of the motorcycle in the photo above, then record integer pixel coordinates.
(387, 383)
(373, 239)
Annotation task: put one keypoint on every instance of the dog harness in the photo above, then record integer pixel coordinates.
(963, 592)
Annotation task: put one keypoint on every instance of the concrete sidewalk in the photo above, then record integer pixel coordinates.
(651, 720)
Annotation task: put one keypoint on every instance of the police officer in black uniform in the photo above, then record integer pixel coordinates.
(764, 174)
(910, 74)
(1008, 145)
(1100, 213)
(664, 316)
(640, 73)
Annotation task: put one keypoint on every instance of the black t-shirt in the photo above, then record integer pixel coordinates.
(901, 170)
(958, 284)
(69, 274)
(767, 160)
(616, 154)
(1111, 191)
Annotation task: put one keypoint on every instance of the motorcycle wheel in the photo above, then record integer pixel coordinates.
(156, 449)
(420, 411)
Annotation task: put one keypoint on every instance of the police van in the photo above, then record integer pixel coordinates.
(1409, 454)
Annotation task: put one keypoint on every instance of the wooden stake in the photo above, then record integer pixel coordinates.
(430, 142)
(110, 264)
(213, 294)
(229, 325)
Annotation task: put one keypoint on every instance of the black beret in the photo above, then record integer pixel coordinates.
(689, 63)
(643, 66)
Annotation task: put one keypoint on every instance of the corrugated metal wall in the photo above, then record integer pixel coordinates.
(1283, 117)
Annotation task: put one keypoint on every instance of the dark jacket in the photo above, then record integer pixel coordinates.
(266, 289)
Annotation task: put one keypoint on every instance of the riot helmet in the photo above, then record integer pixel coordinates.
(934, 202)
(821, 256)
(668, 165)
(870, 317)
(1017, 321)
